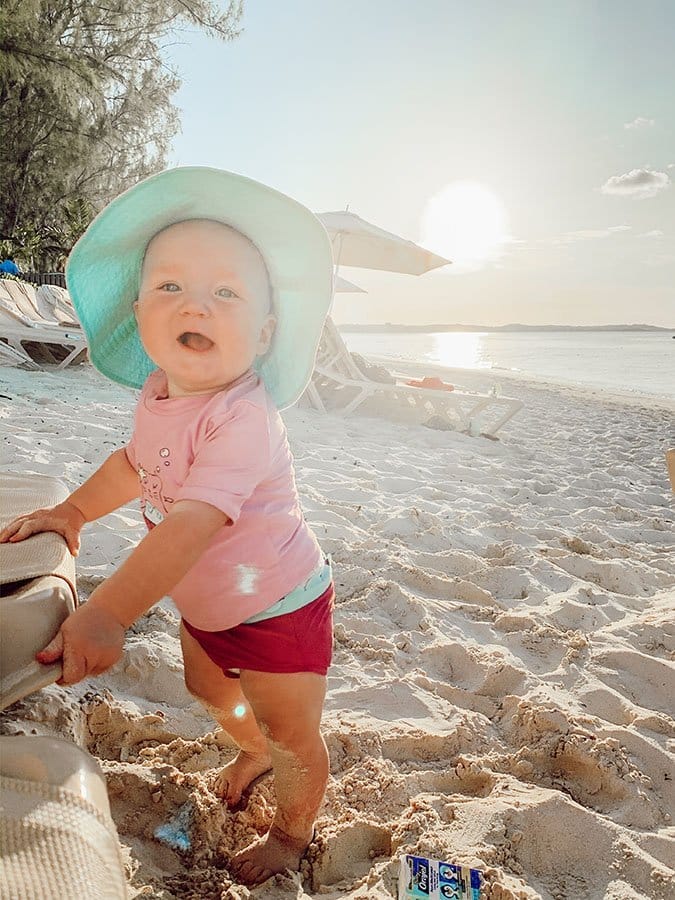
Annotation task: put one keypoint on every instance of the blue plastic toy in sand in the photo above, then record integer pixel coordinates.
(176, 832)
(432, 879)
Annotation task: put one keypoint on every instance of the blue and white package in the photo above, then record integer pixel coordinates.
(422, 878)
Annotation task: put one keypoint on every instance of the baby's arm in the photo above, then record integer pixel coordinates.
(159, 562)
(111, 486)
(92, 638)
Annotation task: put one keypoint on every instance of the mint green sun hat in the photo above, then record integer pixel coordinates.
(103, 270)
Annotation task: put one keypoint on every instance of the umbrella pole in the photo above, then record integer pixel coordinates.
(340, 236)
(337, 263)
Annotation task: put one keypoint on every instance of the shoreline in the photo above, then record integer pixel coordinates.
(437, 328)
(483, 379)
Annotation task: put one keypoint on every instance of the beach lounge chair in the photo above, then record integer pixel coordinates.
(33, 319)
(338, 385)
(9, 356)
(37, 588)
(57, 836)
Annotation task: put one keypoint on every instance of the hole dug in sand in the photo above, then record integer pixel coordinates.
(140, 800)
(145, 796)
(349, 853)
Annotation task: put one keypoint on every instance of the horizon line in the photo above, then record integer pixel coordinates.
(474, 327)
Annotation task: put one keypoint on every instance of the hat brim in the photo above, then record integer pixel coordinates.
(103, 271)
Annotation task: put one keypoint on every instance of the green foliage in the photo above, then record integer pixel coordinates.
(86, 111)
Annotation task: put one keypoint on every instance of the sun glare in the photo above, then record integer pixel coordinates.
(459, 349)
(464, 222)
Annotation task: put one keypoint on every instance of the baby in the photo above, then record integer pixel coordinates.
(216, 286)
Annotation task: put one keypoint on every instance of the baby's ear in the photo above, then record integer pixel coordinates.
(266, 334)
(136, 310)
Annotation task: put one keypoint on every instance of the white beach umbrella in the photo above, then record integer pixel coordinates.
(366, 246)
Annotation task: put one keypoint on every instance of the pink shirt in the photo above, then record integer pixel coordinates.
(230, 450)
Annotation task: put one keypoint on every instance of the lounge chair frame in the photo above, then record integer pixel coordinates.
(22, 322)
(338, 385)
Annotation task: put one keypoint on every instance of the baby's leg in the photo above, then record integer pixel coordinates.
(223, 699)
(288, 708)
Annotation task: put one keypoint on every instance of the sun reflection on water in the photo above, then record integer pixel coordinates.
(459, 349)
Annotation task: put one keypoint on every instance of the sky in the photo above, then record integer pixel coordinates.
(533, 143)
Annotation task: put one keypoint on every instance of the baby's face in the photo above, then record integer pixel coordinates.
(203, 307)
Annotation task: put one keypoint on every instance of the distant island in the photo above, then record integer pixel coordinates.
(390, 328)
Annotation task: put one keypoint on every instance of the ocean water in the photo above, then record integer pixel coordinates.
(642, 363)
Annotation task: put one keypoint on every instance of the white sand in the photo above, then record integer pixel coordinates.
(503, 679)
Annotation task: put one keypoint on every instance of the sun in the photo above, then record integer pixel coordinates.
(464, 222)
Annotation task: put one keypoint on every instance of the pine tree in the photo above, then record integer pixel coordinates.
(85, 109)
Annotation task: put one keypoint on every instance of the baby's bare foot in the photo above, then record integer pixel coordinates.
(236, 776)
(273, 853)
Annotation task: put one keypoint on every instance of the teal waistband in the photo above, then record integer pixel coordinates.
(300, 596)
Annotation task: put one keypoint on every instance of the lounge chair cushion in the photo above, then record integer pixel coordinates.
(37, 589)
(41, 554)
(57, 838)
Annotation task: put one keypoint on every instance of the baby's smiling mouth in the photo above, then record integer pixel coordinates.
(195, 341)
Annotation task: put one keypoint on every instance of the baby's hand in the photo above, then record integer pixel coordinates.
(65, 519)
(89, 641)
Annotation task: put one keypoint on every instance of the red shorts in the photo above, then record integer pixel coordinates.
(300, 641)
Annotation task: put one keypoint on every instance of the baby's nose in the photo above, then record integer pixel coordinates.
(195, 304)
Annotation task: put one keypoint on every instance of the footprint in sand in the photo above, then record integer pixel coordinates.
(577, 839)
(644, 679)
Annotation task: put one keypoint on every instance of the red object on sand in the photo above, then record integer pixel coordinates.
(433, 382)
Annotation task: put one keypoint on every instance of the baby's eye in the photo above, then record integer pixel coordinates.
(169, 286)
(226, 293)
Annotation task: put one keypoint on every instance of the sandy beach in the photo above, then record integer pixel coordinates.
(502, 687)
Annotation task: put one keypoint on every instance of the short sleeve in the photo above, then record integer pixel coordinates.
(231, 460)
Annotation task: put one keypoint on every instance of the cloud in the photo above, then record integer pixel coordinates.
(660, 259)
(670, 166)
(590, 234)
(640, 122)
(655, 233)
(639, 183)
